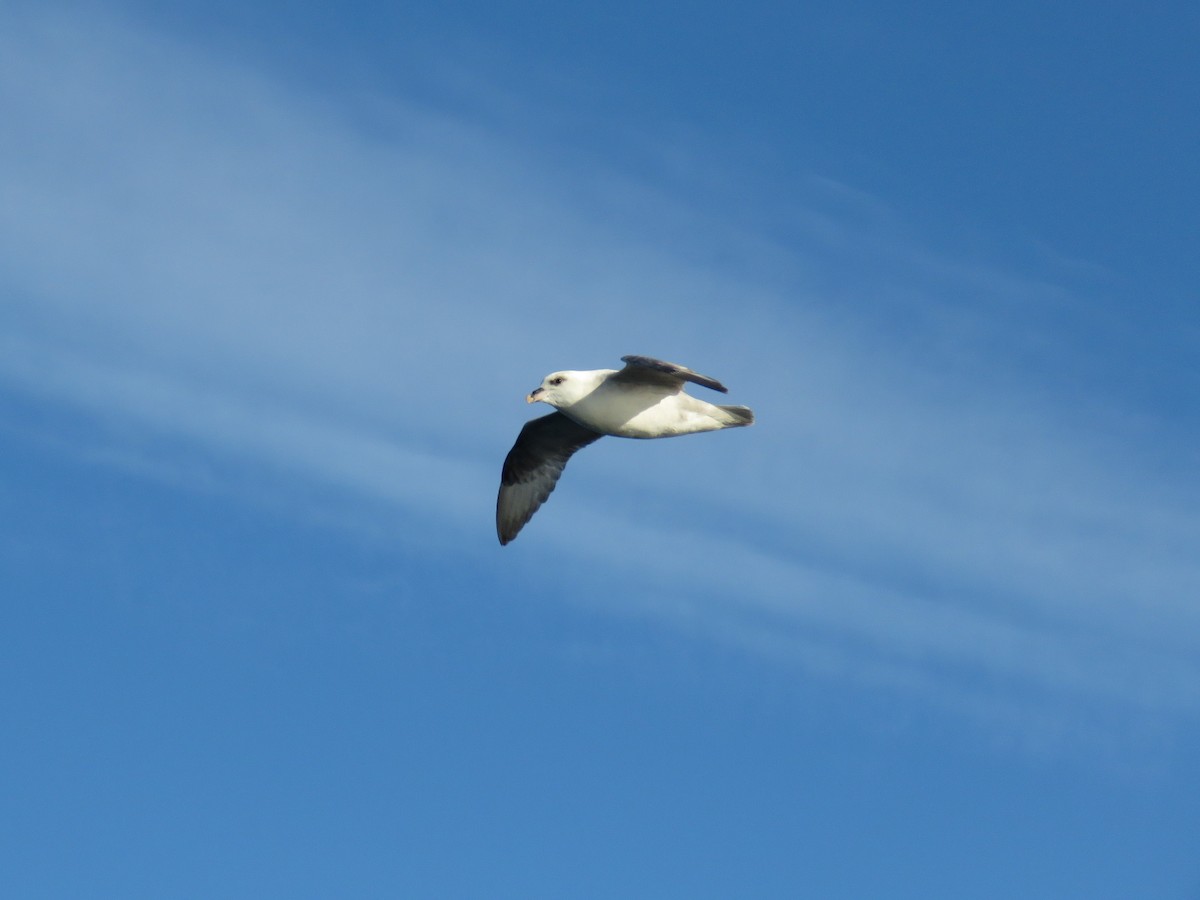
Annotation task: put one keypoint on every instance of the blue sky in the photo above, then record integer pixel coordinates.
(273, 283)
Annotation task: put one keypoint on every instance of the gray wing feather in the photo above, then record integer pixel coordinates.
(647, 368)
(532, 469)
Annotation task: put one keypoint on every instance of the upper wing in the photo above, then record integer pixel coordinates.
(532, 468)
(648, 369)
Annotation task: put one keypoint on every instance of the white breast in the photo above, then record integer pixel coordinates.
(642, 412)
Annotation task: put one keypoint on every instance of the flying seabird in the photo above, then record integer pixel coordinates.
(643, 400)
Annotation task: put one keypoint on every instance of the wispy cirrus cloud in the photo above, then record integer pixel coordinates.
(352, 294)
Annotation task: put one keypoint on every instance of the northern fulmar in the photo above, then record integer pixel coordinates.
(643, 400)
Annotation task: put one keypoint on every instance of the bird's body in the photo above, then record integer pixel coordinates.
(643, 400)
(648, 410)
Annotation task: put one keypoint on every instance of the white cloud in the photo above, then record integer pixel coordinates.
(190, 246)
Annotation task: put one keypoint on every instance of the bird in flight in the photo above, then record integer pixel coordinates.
(643, 400)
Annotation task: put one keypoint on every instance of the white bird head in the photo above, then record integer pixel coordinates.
(561, 389)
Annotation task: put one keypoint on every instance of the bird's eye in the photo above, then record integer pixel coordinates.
(557, 380)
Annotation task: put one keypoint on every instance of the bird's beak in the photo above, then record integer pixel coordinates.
(534, 396)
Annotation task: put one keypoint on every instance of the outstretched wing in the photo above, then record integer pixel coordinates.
(646, 369)
(532, 468)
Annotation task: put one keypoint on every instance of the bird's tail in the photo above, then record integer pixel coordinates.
(737, 415)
